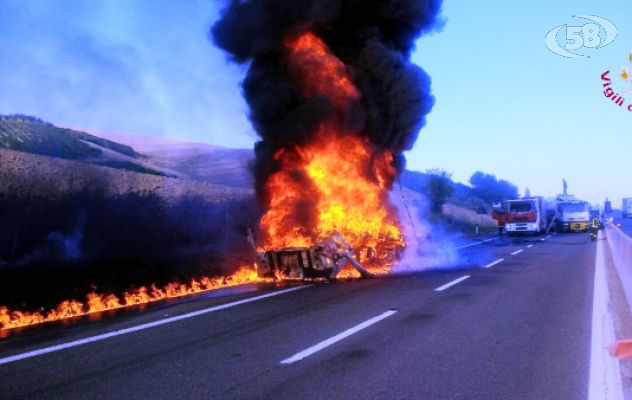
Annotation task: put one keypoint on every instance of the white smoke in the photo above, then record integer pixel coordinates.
(427, 246)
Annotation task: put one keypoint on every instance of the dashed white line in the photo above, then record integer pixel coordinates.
(334, 339)
(529, 246)
(137, 328)
(450, 284)
(515, 253)
(494, 263)
(477, 243)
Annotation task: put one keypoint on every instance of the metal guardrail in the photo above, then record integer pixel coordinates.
(621, 248)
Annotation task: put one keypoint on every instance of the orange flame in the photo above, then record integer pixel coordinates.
(319, 71)
(348, 185)
(96, 302)
(337, 183)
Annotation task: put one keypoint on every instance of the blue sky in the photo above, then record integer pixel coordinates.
(505, 104)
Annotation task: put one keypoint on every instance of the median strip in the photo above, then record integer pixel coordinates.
(334, 339)
(450, 284)
(154, 324)
(494, 263)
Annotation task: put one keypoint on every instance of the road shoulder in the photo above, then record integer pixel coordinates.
(622, 318)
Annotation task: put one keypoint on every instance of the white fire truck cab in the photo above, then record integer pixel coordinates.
(525, 216)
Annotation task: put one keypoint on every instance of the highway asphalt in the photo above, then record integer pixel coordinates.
(520, 329)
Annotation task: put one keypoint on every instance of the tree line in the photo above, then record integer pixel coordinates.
(439, 188)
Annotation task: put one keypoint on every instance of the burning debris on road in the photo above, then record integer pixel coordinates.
(321, 260)
(96, 302)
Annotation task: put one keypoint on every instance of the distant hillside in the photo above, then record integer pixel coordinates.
(32, 135)
(199, 161)
(25, 175)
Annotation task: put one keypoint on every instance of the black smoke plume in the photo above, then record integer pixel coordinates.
(373, 38)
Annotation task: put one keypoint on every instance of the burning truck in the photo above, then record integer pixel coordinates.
(336, 102)
(322, 260)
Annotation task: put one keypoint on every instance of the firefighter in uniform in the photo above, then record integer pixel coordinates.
(594, 229)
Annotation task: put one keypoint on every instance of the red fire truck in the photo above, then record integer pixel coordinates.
(526, 216)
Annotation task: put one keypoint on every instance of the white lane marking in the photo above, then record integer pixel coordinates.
(450, 284)
(529, 246)
(548, 237)
(515, 253)
(154, 324)
(334, 339)
(477, 243)
(494, 263)
(605, 377)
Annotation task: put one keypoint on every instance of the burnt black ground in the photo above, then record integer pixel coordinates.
(519, 330)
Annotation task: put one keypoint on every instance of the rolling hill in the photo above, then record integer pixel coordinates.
(33, 175)
(32, 135)
(197, 161)
(147, 155)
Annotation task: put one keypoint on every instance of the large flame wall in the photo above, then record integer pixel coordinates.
(337, 182)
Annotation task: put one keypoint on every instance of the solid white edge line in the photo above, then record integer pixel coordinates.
(334, 339)
(494, 263)
(604, 381)
(137, 328)
(452, 283)
(515, 253)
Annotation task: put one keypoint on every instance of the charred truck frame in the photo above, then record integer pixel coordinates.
(322, 260)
